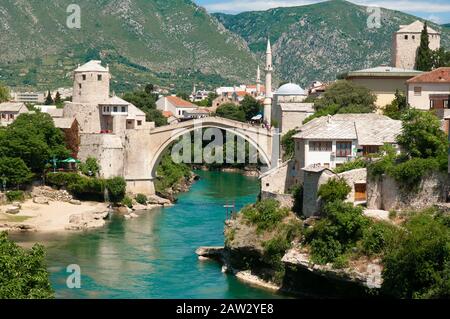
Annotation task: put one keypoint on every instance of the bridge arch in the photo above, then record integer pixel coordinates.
(259, 138)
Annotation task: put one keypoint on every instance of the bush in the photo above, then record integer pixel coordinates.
(88, 189)
(266, 214)
(116, 187)
(348, 166)
(335, 189)
(297, 193)
(90, 167)
(127, 201)
(334, 235)
(377, 238)
(15, 196)
(23, 273)
(141, 199)
(418, 266)
(288, 144)
(62, 179)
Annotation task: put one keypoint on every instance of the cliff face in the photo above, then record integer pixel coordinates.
(261, 258)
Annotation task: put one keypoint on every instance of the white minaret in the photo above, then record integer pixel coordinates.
(258, 82)
(268, 99)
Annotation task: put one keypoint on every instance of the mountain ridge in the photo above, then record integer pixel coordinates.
(320, 41)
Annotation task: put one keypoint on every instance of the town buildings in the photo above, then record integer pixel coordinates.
(330, 141)
(9, 111)
(383, 81)
(175, 106)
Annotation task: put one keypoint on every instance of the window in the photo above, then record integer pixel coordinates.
(124, 109)
(84, 77)
(320, 146)
(115, 109)
(343, 149)
(79, 85)
(406, 37)
(413, 37)
(370, 149)
(139, 123)
(99, 77)
(417, 90)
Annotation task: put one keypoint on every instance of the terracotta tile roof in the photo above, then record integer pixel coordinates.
(167, 114)
(180, 103)
(440, 75)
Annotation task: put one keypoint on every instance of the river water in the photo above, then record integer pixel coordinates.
(153, 256)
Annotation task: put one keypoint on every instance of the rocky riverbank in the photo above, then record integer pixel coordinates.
(267, 259)
(183, 186)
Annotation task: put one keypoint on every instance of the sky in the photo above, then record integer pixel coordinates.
(435, 10)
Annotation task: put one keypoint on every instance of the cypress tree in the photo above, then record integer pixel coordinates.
(49, 99)
(424, 60)
(58, 100)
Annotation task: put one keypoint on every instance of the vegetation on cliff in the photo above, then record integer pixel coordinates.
(423, 150)
(23, 273)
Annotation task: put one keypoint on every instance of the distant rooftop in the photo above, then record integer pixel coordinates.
(290, 89)
(416, 27)
(368, 129)
(11, 107)
(92, 66)
(440, 75)
(384, 71)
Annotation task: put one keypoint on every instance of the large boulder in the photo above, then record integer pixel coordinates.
(156, 200)
(40, 200)
(12, 210)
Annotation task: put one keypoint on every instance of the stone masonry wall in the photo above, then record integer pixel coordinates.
(385, 193)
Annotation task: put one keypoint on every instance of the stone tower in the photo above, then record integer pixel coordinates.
(406, 41)
(268, 99)
(91, 83)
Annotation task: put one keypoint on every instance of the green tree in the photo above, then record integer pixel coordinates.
(90, 167)
(34, 139)
(149, 88)
(23, 274)
(58, 100)
(15, 171)
(183, 95)
(48, 99)
(251, 107)
(424, 61)
(231, 111)
(288, 144)
(441, 58)
(344, 97)
(147, 103)
(4, 94)
(396, 108)
(336, 189)
(418, 266)
(422, 135)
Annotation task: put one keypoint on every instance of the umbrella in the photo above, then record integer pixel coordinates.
(70, 160)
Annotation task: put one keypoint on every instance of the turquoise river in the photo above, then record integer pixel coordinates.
(153, 256)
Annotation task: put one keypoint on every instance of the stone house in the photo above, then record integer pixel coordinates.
(406, 41)
(431, 91)
(330, 141)
(177, 106)
(383, 81)
(9, 111)
(316, 175)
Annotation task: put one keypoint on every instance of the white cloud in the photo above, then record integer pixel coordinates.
(234, 6)
(435, 19)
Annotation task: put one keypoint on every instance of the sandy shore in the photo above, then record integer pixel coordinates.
(46, 218)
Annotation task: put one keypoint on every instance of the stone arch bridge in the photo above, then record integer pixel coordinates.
(145, 148)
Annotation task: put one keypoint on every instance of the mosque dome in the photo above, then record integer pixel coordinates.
(290, 89)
